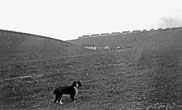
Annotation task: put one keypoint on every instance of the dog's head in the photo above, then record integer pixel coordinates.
(77, 84)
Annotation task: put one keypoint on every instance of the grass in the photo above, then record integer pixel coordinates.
(129, 79)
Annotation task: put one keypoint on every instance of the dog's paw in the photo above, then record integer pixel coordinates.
(61, 102)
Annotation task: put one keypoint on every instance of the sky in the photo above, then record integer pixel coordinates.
(69, 19)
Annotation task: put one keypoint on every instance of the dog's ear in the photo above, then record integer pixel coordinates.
(79, 83)
(74, 83)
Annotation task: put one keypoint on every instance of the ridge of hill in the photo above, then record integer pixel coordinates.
(128, 39)
(18, 46)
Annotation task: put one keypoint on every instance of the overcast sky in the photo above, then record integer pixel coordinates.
(69, 19)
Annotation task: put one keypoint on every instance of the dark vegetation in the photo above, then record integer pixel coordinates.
(146, 76)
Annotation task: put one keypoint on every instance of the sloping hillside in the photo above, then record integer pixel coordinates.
(145, 77)
(128, 79)
(131, 39)
(17, 47)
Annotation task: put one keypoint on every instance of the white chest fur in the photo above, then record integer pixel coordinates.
(76, 91)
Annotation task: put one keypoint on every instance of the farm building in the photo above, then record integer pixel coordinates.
(89, 46)
(106, 48)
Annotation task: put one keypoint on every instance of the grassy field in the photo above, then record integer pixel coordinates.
(17, 47)
(128, 79)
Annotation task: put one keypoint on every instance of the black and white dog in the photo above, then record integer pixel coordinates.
(67, 90)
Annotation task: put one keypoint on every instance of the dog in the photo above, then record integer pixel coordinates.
(67, 90)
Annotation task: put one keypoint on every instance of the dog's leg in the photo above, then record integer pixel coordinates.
(60, 101)
(72, 97)
(56, 98)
